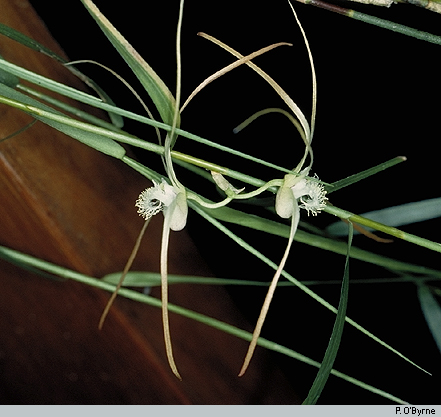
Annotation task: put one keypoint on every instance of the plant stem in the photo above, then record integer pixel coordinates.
(352, 179)
(22, 259)
(373, 20)
(346, 215)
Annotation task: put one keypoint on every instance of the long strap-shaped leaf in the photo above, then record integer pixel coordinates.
(36, 46)
(43, 267)
(337, 331)
(203, 212)
(98, 142)
(155, 87)
(374, 20)
(432, 312)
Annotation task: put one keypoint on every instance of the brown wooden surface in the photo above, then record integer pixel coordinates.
(71, 205)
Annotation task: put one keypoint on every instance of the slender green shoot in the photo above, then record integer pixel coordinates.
(376, 21)
(337, 331)
(22, 259)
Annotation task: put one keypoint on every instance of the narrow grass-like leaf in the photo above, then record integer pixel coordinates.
(401, 215)
(17, 132)
(373, 20)
(154, 86)
(432, 312)
(52, 85)
(52, 117)
(64, 123)
(85, 98)
(28, 42)
(230, 215)
(352, 179)
(100, 143)
(337, 331)
(8, 79)
(36, 46)
(346, 215)
(22, 259)
(61, 105)
(304, 288)
(122, 276)
(153, 279)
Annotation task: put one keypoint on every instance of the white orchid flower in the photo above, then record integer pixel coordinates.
(312, 197)
(171, 199)
(308, 191)
(167, 198)
(173, 202)
(297, 191)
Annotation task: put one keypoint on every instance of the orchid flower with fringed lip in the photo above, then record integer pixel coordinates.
(296, 187)
(170, 197)
(172, 201)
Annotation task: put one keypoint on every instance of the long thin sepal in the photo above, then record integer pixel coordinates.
(123, 275)
(164, 296)
(269, 296)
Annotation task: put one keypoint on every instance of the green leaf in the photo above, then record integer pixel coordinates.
(352, 179)
(206, 215)
(98, 142)
(82, 97)
(230, 215)
(8, 79)
(401, 215)
(28, 42)
(22, 259)
(400, 234)
(432, 312)
(153, 279)
(36, 46)
(154, 86)
(374, 20)
(334, 342)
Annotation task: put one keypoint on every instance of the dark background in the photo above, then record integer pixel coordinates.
(378, 97)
